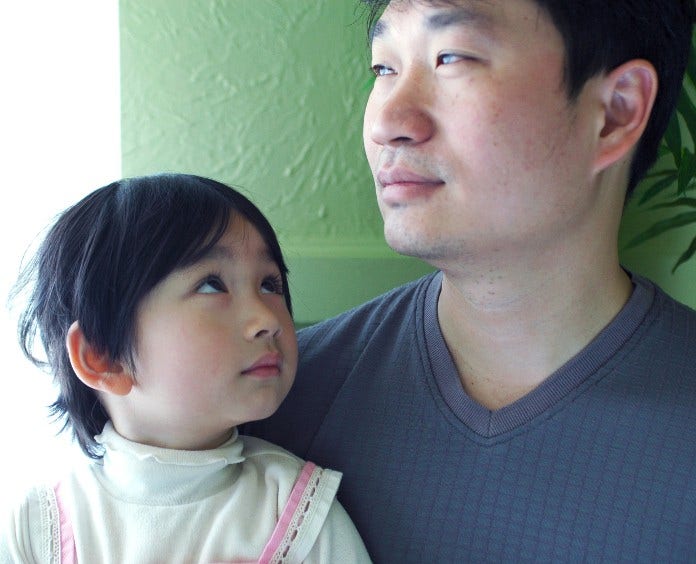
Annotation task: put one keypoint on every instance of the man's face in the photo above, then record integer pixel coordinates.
(472, 141)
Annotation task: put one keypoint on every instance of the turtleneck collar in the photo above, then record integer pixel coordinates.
(140, 473)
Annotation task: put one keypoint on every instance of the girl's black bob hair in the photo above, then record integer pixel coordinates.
(101, 258)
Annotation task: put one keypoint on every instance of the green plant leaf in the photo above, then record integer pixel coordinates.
(663, 150)
(659, 186)
(691, 64)
(658, 173)
(659, 227)
(686, 255)
(673, 139)
(678, 141)
(687, 171)
(687, 108)
(691, 202)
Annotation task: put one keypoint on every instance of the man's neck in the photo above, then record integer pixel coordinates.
(509, 330)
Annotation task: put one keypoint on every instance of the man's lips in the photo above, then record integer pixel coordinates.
(267, 365)
(400, 186)
(405, 177)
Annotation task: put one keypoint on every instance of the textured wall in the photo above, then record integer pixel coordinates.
(266, 95)
(263, 93)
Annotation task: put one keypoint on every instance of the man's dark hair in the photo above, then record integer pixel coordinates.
(102, 256)
(600, 35)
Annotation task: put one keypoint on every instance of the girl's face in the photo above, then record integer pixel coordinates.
(215, 347)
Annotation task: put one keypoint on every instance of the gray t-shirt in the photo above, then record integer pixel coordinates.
(596, 464)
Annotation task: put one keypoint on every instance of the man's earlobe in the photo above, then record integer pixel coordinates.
(96, 369)
(628, 94)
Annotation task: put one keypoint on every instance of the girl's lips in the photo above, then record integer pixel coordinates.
(266, 366)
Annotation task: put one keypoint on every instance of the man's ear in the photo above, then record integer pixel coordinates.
(96, 369)
(628, 94)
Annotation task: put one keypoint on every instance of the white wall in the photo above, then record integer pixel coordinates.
(59, 139)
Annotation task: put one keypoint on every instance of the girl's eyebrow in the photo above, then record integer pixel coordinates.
(223, 252)
(217, 252)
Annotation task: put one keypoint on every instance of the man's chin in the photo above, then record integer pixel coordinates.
(410, 245)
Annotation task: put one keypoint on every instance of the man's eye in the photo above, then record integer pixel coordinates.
(382, 70)
(212, 285)
(272, 285)
(450, 58)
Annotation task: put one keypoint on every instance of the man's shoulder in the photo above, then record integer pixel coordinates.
(674, 319)
(665, 339)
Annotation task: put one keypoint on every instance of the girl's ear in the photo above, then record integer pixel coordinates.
(628, 94)
(94, 368)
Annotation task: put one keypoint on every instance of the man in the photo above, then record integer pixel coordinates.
(532, 401)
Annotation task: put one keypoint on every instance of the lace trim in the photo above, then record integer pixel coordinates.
(294, 514)
(50, 522)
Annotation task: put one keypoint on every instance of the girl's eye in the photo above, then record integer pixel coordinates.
(211, 285)
(381, 70)
(272, 285)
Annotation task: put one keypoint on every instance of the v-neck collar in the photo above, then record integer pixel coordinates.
(561, 384)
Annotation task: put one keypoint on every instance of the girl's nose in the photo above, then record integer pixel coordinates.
(262, 322)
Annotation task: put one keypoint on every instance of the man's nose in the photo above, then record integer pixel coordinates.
(400, 111)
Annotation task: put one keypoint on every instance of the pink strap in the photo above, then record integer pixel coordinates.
(286, 516)
(67, 540)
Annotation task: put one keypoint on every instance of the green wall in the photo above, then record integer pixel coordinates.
(267, 95)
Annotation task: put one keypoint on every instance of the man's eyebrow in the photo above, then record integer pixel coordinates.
(377, 29)
(455, 16)
(459, 16)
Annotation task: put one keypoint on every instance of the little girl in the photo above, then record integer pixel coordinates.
(163, 308)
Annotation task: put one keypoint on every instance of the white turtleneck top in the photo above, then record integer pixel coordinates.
(142, 504)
